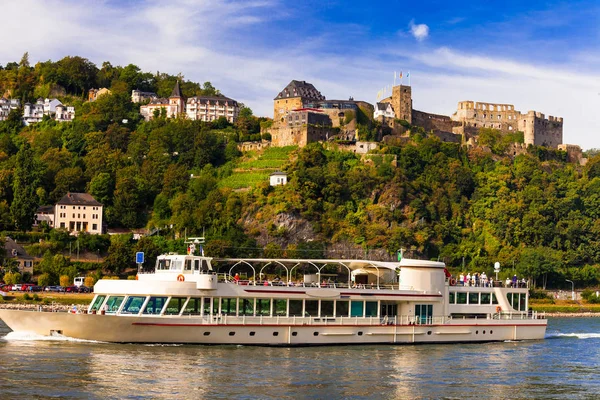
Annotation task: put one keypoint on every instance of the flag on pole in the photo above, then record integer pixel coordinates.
(400, 75)
(394, 78)
(408, 76)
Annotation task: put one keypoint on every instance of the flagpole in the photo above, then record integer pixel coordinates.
(394, 78)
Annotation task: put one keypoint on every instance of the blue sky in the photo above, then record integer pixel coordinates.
(542, 56)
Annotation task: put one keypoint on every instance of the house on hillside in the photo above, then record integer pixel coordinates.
(78, 212)
(278, 178)
(44, 214)
(14, 251)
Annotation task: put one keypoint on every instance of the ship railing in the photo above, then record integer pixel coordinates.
(330, 285)
(220, 319)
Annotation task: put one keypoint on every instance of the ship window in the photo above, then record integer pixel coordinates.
(461, 298)
(164, 264)
(246, 307)
(263, 307)
(206, 306)
(294, 333)
(522, 306)
(252, 333)
(231, 333)
(113, 303)
(176, 265)
(473, 298)
(311, 308)
(155, 305)
(356, 308)
(280, 307)
(97, 303)
(341, 308)
(295, 308)
(451, 298)
(133, 305)
(228, 306)
(275, 333)
(371, 309)
(196, 265)
(193, 307)
(188, 265)
(326, 308)
(424, 313)
(494, 299)
(485, 298)
(175, 305)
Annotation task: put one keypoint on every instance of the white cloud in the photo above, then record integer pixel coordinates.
(419, 31)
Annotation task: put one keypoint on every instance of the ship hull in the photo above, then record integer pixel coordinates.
(195, 330)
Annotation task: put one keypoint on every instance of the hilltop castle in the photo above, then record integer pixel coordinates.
(302, 115)
(470, 117)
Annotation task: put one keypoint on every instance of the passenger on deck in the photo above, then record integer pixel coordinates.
(461, 279)
(484, 279)
(468, 279)
(514, 281)
(236, 278)
(507, 282)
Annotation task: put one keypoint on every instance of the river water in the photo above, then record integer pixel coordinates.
(565, 365)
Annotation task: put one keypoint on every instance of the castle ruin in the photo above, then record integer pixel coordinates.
(537, 129)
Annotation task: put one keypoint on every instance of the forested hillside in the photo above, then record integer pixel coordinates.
(466, 206)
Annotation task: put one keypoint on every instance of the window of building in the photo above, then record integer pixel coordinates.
(95, 227)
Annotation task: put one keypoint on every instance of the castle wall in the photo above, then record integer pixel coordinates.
(503, 117)
(541, 131)
(433, 122)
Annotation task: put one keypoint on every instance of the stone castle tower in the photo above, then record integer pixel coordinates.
(401, 101)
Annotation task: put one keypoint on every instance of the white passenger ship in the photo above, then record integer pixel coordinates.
(185, 301)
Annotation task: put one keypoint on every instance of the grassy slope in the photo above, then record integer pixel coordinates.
(255, 167)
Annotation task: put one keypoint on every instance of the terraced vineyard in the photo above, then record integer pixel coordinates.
(255, 167)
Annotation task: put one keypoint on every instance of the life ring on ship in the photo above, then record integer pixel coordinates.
(137, 277)
(498, 309)
(180, 278)
(452, 282)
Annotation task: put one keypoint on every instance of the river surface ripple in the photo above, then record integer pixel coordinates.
(565, 365)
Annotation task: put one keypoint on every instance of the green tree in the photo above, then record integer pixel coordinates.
(26, 180)
(120, 254)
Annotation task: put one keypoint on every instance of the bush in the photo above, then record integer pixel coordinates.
(65, 280)
(12, 278)
(539, 294)
(44, 280)
(89, 281)
(36, 297)
(590, 296)
(26, 297)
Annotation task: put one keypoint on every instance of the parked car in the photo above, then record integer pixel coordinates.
(54, 289)
(78, 289)
(25, 286)
(6, 288)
